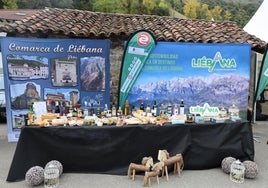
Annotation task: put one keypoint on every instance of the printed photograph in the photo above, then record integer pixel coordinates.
(92, 73)
(22, 95)
(64, 71)
(25, 67)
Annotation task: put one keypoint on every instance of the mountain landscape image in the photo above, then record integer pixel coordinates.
(92, 73)
(216, 90)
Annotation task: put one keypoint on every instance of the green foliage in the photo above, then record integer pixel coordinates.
(216, 13)
(62, 3)
(239, 11)
(33, 4)
(83, 4)
(39, 4)
(191, 8)
(9, 4)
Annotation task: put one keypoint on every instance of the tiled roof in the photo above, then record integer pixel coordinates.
(13, 15)
(85, 24)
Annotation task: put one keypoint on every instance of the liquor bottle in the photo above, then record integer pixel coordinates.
(105, 110)
(98, 110)
(155, 109)
(119, 112)
(85, 109)
(126, 109)
(175, 110)
(181, 107)
(169, 109)
(142, 106)
(113, 110)
(91, 110)
(57, 108)
(30, 115)
(148, 110)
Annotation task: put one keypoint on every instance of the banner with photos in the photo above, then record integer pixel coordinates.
(69, 71)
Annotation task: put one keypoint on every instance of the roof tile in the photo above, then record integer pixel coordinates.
(86, 24)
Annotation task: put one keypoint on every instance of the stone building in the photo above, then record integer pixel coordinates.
(71, 23)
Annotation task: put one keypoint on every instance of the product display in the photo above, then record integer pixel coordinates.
(35, 176)
(169, 114)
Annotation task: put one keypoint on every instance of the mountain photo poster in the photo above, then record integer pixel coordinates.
(217, 74)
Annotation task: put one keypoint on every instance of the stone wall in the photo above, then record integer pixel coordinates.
(116, 54)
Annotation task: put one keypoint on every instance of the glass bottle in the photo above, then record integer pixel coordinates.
(51, 176)
(30, 115)
(169, 109)
(148, 110)
(57, 108)
(126, 109)
(237, 172)
(119, 112)
(85, 109)
(142, 106)
(182, 107)
(113, 110)
(105, 110)
(98, 110)
(175, 110)
(91, 110)
(154, 109)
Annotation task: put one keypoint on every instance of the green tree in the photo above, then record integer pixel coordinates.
(103, 6)
(191, 8)
(33, 4)
(162, 8)
(149, 5)
(125, 6)
(83, 4)
(240, 17)
(62, 3)
(227, 15)
(204, 12)
(9, 4)
(216, 13)
(177, 5)
(137, 7)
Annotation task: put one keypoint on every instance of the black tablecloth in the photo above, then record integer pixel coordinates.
(110, 149)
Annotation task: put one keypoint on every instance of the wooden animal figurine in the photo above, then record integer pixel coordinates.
(163, 155)
(176, 160)
(145, 166)
(157, 167)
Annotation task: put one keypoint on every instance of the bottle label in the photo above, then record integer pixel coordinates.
(181, 110)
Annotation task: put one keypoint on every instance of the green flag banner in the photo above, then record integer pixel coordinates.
(263, 76)
(137, 51)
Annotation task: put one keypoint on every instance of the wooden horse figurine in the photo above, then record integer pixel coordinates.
(145, 166)
(157, 167)
(163, 155)
(177, 160)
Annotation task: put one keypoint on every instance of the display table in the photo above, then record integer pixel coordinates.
(110, 149)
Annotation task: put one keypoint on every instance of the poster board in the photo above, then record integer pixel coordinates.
(198, 73)
(66, 70)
